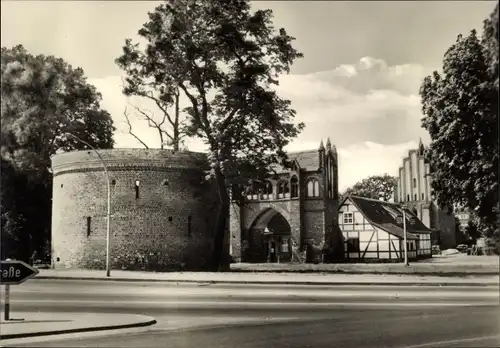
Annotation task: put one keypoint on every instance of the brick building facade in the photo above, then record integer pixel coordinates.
(162, 213)
(414, 192)
(295, 209)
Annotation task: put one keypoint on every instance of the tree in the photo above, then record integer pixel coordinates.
(472, 230)
(225, 60)
(375, 187)
(460, 108)
(459, 233)
(490, 44)
(171, 128)
(43, 99)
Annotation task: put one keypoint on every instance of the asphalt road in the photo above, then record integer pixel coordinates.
(222, 315)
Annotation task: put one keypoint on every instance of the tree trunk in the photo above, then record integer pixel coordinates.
(220, 261)
(177, 140)
(177, 137)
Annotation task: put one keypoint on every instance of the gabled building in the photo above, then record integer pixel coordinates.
(294, 209)
(373, 231)
(414, 193)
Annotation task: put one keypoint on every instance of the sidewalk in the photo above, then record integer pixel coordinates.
(442, 266)
(271, 278)
(26, 324)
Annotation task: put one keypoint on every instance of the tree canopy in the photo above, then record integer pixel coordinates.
(225, 60)
(43, 98)
(460, 107)
(375, 187)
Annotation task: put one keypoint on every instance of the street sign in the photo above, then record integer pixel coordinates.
(15, 272)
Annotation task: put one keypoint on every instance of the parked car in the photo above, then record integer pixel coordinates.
(462, 248)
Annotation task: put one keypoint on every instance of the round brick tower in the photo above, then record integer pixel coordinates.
(162, 212)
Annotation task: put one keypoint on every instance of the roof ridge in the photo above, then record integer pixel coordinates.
(374, 200)
(386, 220)
(302, 151)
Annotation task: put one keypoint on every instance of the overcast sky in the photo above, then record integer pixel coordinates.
(357, 83)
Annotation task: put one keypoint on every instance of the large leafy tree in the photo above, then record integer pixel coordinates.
(472, 230)
(375, 187)
(44, 100)
(224, 59)
(490, 44)
(460, 107)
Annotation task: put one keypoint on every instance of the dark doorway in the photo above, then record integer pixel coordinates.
(270, 239)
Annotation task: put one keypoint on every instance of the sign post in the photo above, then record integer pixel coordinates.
(14, 272)
(405, 240)
(7, 303)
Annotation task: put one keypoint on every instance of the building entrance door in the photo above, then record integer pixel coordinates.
(272, 251)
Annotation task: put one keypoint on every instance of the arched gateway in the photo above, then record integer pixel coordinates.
(269, 238)
(296, 207)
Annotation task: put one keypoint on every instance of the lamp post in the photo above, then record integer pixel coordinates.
(404, 236)
(108, 219)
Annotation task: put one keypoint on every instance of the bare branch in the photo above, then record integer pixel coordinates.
(130, 130)
(178, 128)
(160, 106)
(154, 124)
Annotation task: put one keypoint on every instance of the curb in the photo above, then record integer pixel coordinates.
(77, 330)
(374, 272)
(264, 282)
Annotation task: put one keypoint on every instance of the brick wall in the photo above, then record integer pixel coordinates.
(312, 220)
(444, 223)
(314, 212)
(168, 227)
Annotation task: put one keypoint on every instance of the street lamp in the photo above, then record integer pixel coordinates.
(404, 234)
(108, 271)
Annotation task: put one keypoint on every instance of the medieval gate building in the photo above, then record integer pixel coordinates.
(296, 209)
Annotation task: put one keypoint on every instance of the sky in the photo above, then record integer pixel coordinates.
(357, 83)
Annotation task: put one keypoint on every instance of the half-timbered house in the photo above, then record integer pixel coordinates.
(373, 231)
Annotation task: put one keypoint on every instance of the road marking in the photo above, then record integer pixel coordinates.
(461, 340)
(217, 304)
(273, 293)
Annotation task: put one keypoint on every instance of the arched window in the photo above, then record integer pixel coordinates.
(414, 183)
(294, 186)
(248, 192)
(407, 198)
(312, 189)
(251, 192)
(330, 182)
(335, 182)
(255, 191)
(423, 196)
(267, 191)
(283, 189)
(415, 197)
